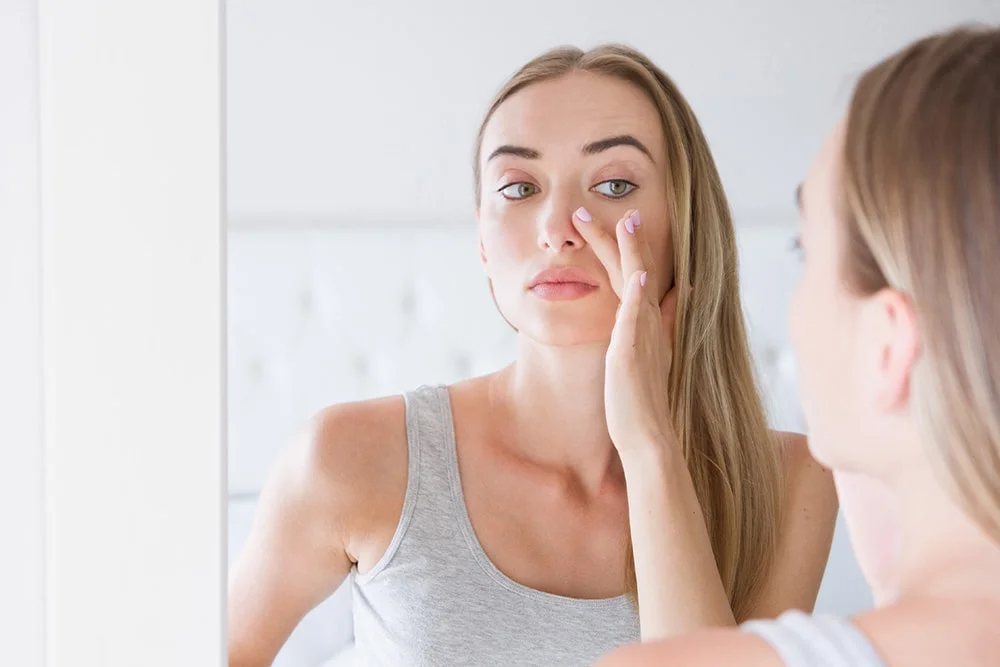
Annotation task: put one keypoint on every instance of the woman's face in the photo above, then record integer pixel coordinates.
(822, 317)
(580, 140)
(854, 353)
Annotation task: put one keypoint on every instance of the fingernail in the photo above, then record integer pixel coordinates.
(583, 214)
(642, 279)
(629, 225)
(635, 217)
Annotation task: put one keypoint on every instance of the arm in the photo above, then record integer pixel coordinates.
(809, 516)
(321, 499)
(679, 585)
(669, 537)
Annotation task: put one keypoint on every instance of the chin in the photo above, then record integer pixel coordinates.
(563, 323)
(820, 450)
(565, 329)
(838, 451)
(562, 336)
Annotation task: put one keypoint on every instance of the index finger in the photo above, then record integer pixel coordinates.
(605, 246)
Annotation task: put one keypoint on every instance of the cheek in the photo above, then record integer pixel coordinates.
(499, 247)
(812, 335)
(504, 265)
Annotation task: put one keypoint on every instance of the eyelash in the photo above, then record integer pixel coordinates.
(796, 247)
(632, 187)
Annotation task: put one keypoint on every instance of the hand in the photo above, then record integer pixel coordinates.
(638, 361)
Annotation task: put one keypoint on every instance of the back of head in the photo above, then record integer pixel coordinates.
(921, 186)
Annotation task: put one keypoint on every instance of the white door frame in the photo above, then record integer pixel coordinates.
(112, 342)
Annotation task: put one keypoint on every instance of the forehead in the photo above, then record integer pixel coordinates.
(571, 110)
(819, 191)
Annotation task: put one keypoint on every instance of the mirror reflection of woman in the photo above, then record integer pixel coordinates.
(619, 479)
(895, 326)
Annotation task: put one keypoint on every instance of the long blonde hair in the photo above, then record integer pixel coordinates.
(921, 187)
(734, 459)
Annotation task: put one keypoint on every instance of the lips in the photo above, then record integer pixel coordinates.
(562, 284)
(560, 275)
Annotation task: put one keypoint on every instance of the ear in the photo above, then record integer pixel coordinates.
(896, 337)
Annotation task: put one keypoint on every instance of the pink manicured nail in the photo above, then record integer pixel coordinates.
(629, 225)
(635, 217)
(642, 279)
(583, 214)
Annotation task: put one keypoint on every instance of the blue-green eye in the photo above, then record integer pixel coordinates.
(615, 188)
(521, 190)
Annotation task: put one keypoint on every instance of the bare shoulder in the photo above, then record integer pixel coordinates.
(805, 535)
(357, 442)
(929, 632)
(806, 480)
(348, 464)
(709, 648)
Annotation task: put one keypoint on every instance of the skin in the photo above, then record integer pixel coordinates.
(581, 414)
(937, 574)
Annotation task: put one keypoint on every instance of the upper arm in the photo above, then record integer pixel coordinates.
(809, 516)
(708, 648)
(317, 498)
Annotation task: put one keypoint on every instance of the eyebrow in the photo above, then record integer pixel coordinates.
(516, 151)
(620, 140)
(592, 148)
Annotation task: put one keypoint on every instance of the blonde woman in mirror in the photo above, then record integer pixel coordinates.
(619, 479)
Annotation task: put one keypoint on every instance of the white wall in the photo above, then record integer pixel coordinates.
(111, 334)
(22, 518)
(132, 266)
(366, 111)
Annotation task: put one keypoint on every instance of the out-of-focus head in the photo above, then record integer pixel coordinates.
(896, 320)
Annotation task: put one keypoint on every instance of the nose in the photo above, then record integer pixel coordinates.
(556, 230)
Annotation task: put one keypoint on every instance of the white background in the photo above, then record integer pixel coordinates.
(111, 324)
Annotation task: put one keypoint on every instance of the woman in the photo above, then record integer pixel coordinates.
(488, 522)
(895, 327)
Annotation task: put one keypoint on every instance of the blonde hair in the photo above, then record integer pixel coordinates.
(921, 200)
(733, 458)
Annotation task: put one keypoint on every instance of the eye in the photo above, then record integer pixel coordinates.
(521, 190)
(796, 247)
(615, 188)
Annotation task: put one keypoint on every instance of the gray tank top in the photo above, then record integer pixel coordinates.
(435, 599)
(816, 641)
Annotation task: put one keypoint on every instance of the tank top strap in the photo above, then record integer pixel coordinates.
(428, 505)
(803, 640)
(430, 431)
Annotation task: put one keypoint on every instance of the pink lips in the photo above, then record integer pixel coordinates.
(560, 284)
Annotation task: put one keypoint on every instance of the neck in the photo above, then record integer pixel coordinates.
(552, 399)
(944, 554)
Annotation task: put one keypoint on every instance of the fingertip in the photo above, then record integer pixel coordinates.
(583, 215)
(642, 279)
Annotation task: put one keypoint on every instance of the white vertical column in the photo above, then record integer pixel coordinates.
(22, 557)
(132, 255)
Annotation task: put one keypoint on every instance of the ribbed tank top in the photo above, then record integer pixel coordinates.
(434, 599)
(816, 641)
